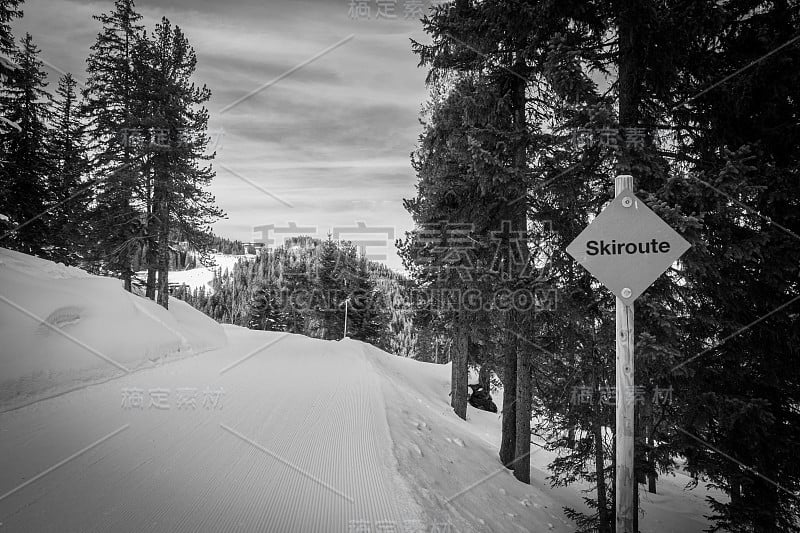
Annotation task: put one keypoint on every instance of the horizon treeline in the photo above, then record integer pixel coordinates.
(303, 286)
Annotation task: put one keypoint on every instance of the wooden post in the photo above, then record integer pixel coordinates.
(625, 482)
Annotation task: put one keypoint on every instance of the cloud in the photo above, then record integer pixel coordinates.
(334, 137)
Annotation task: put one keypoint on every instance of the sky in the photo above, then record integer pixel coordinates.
(314, 110)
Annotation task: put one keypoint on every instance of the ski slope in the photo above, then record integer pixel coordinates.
(264, 458)
(262, 432)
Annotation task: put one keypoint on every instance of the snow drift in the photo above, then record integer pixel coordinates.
(62, 327)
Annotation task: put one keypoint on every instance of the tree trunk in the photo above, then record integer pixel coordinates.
(639, 439)
(765, 520)
(650, 442)
(522, 449)
(459, 372)
(151, 258)
(163, 268)
(150, 242)
(150, 287)
(519, 215)
(604, 522)
(508, 438)
(163, 248)
(485, 377)
(629, 78)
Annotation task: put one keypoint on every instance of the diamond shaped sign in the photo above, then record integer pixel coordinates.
(627, 247)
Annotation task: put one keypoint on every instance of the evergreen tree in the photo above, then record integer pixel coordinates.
(24, 195)
(117, 219)
(737, 146)
(329, 285)
(179, 199)
(366, 318)
(500, 41)
(69, 193)
(9, 10)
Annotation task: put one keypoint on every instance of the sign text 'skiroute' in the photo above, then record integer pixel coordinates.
(627, 246)
(613, 247)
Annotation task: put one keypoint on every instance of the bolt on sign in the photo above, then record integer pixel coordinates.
(627, 247)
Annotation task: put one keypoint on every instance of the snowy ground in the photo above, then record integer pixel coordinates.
(62, 328)
(201, 277)
(264, 432)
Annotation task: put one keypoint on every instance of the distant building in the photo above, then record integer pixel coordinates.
(252, 247)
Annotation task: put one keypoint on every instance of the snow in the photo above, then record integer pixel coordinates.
(62, 327)
(265, 432)
(445, 456)
(203, 276)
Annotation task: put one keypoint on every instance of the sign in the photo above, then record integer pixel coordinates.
(627, 247)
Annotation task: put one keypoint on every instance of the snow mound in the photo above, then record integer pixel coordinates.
(63, 327)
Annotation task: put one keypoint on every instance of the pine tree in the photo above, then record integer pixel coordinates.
(329, 286)
(461, 45)
(69, 193)
(9, 10)
(181, 203)
(110, 106)
(737, 145)
(367, 317)
(24, 196)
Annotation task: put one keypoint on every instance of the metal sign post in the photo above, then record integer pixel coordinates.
(626, 247)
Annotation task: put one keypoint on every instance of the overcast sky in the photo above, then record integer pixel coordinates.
(325, 147)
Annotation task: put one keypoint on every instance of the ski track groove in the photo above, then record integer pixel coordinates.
(370, 445)
(316, 405)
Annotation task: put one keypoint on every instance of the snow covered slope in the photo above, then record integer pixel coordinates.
(61, 327)
(272, 432)
(456, 468)
(295, 439)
